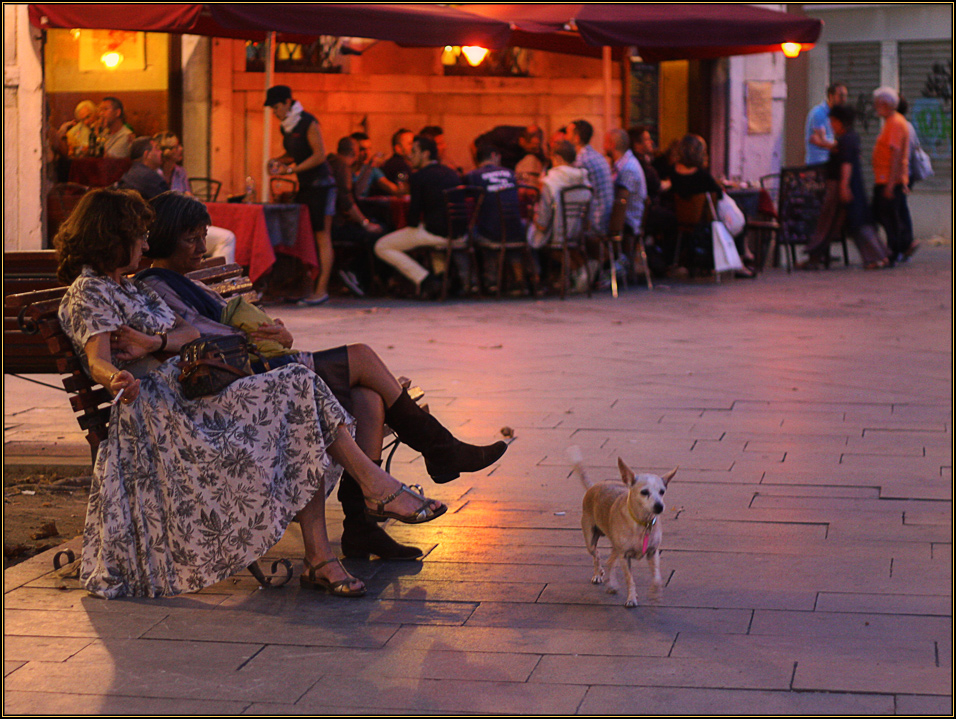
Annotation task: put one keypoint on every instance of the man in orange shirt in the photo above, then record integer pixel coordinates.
(890, 172)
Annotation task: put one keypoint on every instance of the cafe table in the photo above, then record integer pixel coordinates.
(262, 230)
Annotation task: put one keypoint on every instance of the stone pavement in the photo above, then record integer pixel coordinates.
(808, 532)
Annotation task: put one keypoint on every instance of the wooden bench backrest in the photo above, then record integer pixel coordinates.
(37, 317)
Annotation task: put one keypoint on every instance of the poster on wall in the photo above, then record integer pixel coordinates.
(118, 50)
(759, 108)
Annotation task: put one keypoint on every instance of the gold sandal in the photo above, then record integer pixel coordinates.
(421, 515)
(310, 580)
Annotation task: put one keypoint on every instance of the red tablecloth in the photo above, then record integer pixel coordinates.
(255, 249)
(98, 171)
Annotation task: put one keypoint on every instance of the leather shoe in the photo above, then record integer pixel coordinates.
(360, 543)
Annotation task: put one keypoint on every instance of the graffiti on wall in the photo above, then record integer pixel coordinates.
(932, 114)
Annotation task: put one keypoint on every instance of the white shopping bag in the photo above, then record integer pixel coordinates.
(725, 251)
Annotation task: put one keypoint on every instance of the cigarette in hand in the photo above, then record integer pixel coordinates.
(118, 397)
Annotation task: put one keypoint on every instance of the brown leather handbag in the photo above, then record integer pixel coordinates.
(211, 363)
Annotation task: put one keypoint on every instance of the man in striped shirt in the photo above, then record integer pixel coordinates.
(599, 172)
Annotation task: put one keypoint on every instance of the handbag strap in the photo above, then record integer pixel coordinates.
(189, 367)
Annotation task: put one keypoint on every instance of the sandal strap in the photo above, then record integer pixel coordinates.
(415, 490)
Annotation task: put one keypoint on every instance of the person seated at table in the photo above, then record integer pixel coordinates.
(349, 225)
(367, 176)
(355, 373)
(514, 143)
(220, 242)
(186, 492)
(495, 179)
(397, 169)
(660, 221)
(599, 172)
(691, 177)
(73, 138)
(114, 136)
(547, 226)
(427, 219)
(844, 201)
(629, 182)
(145, 175)
(437, 133)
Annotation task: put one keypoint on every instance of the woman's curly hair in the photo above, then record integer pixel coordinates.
(101, 231)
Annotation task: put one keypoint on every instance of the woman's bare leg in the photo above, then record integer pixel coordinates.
(366, 369)
(315, 538)
(369, 415)
(375, 482)
(323, 241)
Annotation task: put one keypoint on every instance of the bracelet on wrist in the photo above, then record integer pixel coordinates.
(164, 338)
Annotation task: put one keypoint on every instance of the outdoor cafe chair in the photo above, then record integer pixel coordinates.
(574, 232)
(462, 205)
(509, 214)
(614, 242)
(205, 188)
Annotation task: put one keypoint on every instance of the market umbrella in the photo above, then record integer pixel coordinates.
(659, 31)
(409, 24)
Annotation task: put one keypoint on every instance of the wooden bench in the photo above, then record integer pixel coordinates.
(36, 314)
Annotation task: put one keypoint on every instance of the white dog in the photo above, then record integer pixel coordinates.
(627, 514)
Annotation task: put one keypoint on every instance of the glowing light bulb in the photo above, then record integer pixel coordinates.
(791, 49)
(474, 54)
(111, 59)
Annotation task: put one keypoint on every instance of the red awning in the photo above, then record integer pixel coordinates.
(177, 18)
(410, 24)
(658, 31)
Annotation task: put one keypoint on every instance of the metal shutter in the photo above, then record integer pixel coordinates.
(926, 80)
(857, 65)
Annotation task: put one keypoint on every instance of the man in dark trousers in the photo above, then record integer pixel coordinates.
(427, 220)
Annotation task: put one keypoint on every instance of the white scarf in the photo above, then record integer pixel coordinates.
(292, 119)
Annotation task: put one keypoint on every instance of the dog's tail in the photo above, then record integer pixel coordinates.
(577, 464)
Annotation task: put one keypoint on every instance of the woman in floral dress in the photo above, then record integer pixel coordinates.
(187, 492)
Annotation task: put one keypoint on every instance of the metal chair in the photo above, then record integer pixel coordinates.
(615, 239)
(462, 204)
(510, 216)
(205, 188)
(573, 232)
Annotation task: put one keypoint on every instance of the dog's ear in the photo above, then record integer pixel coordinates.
(627, 476)
(669, 476)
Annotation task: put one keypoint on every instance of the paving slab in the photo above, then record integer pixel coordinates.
(807, 551)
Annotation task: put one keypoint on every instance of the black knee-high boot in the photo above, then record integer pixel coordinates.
(445, 457)
(361, 535)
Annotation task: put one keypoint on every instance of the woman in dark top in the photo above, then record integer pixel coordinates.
(690, 175)
(845, 204)
(305, 156)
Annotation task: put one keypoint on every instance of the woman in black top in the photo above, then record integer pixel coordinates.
(305, 156)
(690, 175)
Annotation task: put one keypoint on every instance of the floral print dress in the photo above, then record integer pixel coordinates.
(187, 492)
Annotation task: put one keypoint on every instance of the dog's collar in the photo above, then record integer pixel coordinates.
(648, 526)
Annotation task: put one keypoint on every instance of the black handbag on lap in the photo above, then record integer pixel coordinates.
(210, 364)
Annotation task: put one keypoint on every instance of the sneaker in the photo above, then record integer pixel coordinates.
(351, 281)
